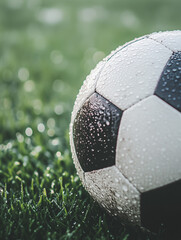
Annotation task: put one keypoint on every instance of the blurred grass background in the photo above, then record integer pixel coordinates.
(46, 50)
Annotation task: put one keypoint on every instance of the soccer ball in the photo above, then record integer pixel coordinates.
(125, 131)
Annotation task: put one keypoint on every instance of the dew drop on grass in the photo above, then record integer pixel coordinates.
(1, 191)
(19, 137)
(41, 127)
(51, 123)
(29, 86)
(59, 109)
(23, 74)
(58, 154)
(50, 15)
(51, 132)
(28, 132)
(55, 141)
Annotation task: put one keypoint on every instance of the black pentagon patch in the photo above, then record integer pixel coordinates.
(162, 206)
(95, 132)
(169, 85)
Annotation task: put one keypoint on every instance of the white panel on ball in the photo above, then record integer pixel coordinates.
(132, 73)
(149, 139)
(123, 46)
(115, 193)
(170, 39)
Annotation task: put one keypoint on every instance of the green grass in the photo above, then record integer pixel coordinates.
(42, 66)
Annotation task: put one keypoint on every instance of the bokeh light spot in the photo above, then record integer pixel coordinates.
(28, 132)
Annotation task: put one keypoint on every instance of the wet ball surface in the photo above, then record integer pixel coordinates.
(169, 85)
(95, 133)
